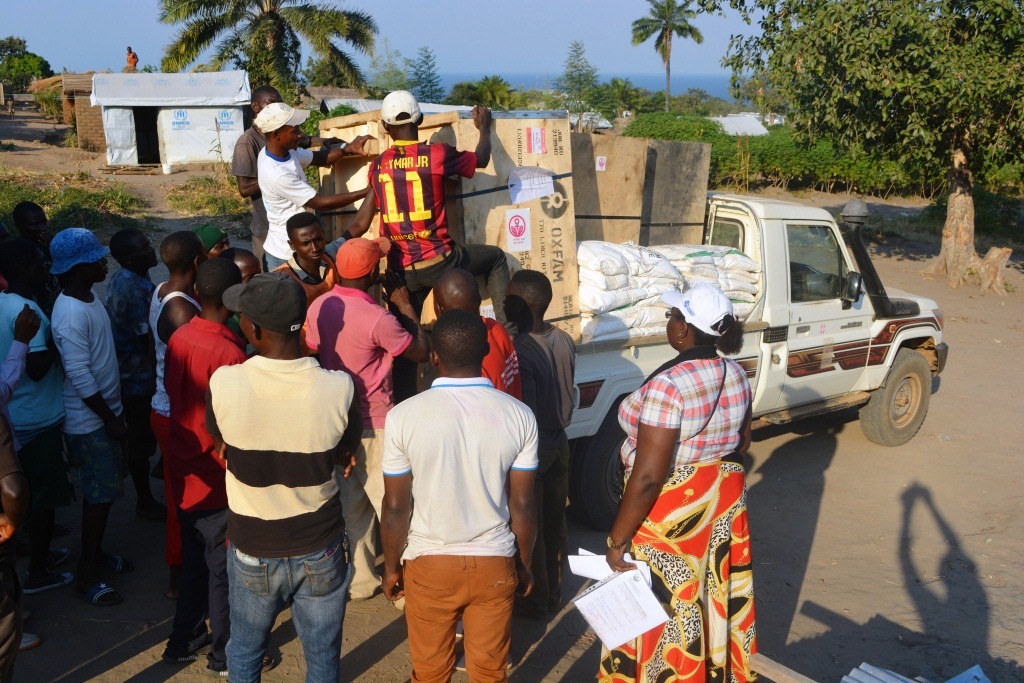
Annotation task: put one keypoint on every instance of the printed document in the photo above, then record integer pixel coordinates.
(621, 608)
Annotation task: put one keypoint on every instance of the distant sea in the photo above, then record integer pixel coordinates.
(716, 84)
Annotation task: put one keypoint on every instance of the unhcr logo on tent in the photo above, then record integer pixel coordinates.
(131, 83)
(226, 119)
(180, 121)
(162, 82)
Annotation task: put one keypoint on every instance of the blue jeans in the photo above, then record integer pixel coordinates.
(271, 262)
(260, 588)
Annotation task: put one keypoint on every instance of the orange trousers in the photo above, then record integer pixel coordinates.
(441, 589)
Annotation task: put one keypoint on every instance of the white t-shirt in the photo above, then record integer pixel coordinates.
(285, 192)
(459, 439)
(82, 334)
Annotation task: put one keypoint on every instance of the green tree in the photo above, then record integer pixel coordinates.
(265, 37)
(464, 93)
(18, 66)
(577, 82)
(423, 77)
(12, 45)
(936, 84)
(665, 19)
(495, 92)
(320, 72)
(388, 71)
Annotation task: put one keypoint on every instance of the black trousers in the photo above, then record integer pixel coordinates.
(203, 583)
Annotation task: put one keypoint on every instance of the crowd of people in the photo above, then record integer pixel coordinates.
(295, 446)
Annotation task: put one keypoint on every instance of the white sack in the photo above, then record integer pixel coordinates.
(598, 280)
(594, 300)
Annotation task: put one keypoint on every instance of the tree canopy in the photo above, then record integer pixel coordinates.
(264, 37)
(389, 71)
(933, 83)
(664, 19)
(578, 80)
(424, 79)
(18, 66)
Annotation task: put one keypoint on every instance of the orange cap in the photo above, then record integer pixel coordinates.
(358, 256)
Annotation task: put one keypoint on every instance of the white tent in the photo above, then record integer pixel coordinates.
(171, 118)
(741, 124)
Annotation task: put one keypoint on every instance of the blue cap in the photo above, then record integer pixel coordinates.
(73, 246)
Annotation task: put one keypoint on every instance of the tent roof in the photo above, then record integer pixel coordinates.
(741, 124)
(209, 89)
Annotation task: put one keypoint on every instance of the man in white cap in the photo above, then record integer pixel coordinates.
(408, 182)
(282, 178)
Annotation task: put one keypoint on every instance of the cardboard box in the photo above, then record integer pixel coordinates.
(540, 234)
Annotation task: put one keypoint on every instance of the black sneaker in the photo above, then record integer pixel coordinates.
(189, 653)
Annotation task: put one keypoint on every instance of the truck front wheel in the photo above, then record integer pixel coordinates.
(896, 411)
(595, 483)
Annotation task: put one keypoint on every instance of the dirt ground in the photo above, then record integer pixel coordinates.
(900, 557)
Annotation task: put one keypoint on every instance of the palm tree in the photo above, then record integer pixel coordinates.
(664, 19)
(263, 36)
(623, 95)
(495, 92)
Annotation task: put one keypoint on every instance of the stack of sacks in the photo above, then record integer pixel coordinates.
(620, 286)
(732, 271)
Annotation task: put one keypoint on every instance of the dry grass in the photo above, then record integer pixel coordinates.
(215, 196)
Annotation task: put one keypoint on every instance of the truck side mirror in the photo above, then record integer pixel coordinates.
(854, 286)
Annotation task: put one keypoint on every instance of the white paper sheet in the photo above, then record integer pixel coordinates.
(591, 566)
(620, 608)
(530, 182)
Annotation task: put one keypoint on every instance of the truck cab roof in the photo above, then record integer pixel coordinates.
(772, 209)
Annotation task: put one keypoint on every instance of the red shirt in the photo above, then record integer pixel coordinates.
(501, 364)
(408, 183)
(194, 352)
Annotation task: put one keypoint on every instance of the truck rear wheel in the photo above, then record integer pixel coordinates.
(896, 411)
(595, 483)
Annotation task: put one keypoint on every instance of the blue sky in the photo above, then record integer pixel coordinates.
(526, 36)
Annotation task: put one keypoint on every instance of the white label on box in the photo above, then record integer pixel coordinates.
(536, 141)
(601, 163)
(517, 230)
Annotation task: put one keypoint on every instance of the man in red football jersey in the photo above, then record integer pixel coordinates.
(408, 183)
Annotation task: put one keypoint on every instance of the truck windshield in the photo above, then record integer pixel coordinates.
(817, 268)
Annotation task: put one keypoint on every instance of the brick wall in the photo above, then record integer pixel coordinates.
(90, 125)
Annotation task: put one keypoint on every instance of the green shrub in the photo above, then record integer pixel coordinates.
(70, 200)
(49, 104)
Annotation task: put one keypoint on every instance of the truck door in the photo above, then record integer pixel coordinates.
(828, 344)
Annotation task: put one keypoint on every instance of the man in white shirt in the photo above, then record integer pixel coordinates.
(464, 554)
(94, 428)
(282, 176)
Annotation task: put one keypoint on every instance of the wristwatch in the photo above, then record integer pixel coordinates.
(617, 546)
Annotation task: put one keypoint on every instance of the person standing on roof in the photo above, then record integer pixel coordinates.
(133, 61)
(282, 180)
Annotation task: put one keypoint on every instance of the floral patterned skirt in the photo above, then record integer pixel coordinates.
(697, 543)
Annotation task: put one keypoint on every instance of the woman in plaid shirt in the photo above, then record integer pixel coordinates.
(683, 510)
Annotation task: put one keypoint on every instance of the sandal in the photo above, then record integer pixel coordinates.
(100, 594)
(48, 582)
(117, 564)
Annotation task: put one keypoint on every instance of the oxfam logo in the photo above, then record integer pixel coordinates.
(180, 115)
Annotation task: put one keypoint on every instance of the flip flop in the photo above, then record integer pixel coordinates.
(48, 582)
(117, 564)
(99, 594)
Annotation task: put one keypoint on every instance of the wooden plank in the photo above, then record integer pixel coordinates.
(608, 176)
(776, 672)
(676, 191)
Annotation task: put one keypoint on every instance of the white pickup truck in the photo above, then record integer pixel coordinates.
(824, 335)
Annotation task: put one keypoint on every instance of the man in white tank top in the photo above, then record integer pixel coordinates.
(173, 305)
